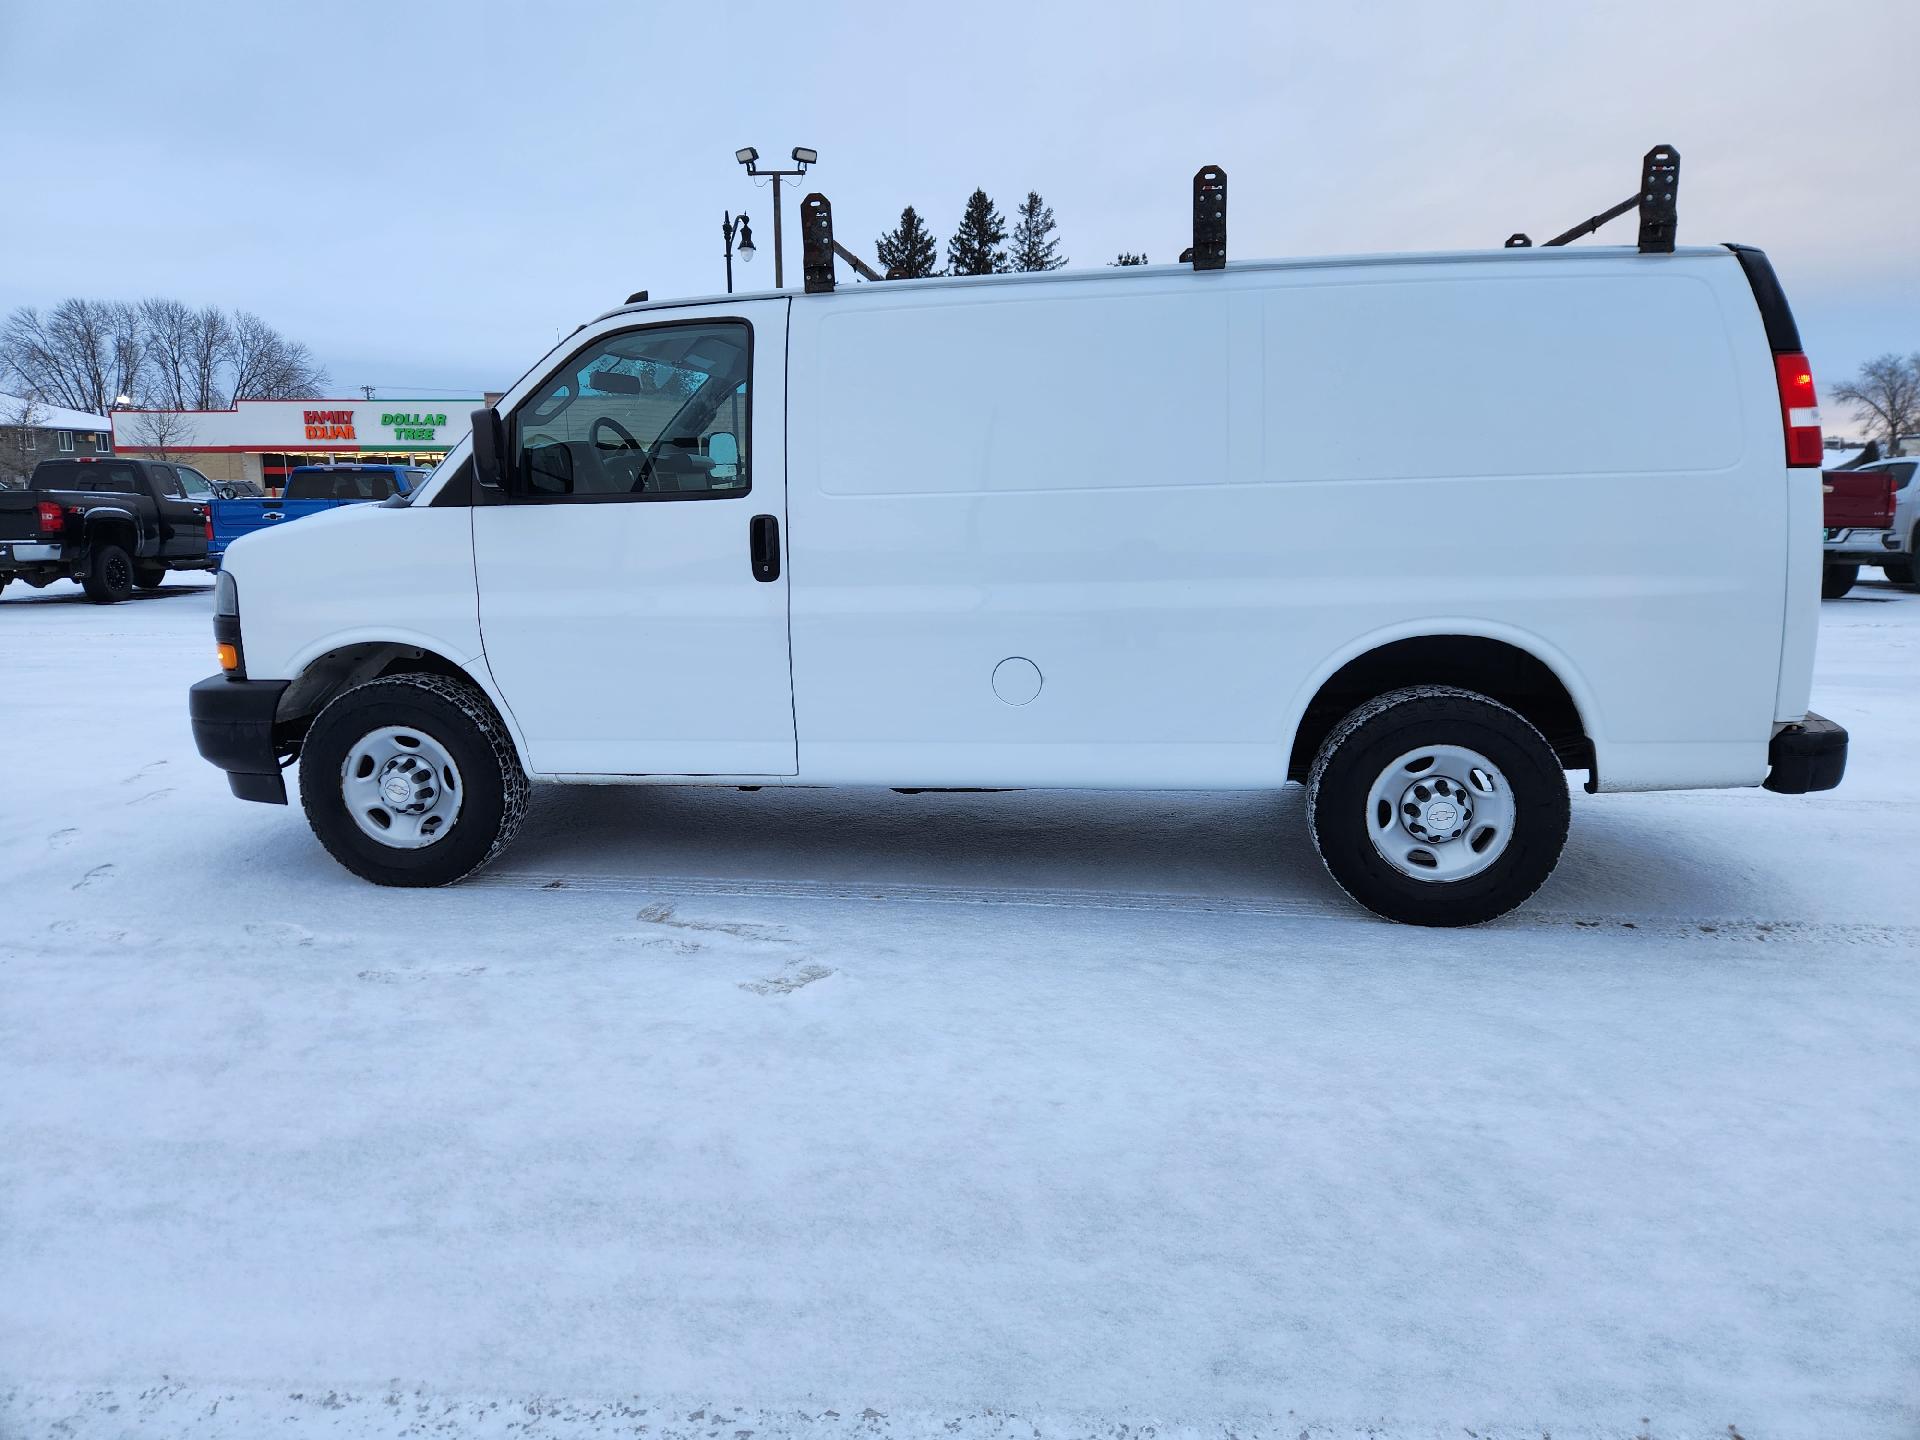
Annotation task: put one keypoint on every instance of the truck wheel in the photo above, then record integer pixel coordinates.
(411, 780)
(1899, 572)
(1837, 580)
(1437, 806)
(109, 576)
(149, 577)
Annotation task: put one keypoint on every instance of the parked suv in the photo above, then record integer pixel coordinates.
(112, 524)
(1091, 529)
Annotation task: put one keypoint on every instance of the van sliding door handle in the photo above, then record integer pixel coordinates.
(763, 547)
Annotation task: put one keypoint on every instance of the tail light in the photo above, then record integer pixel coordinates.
(1799, 409)
(50, 517)
(209, 525)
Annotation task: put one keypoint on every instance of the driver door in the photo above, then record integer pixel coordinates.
(632, 584)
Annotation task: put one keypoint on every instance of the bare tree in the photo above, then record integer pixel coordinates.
(163, 434)
(1886, 392)
(85, 353)
(81, 354)
(187, 354)
(268, 366)
(19, 419)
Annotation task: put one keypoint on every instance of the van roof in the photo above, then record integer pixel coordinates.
(1530, 255)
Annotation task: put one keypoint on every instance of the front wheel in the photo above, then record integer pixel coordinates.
(109, 576)
(411, 780)
(1837, 580)
(1437, 806)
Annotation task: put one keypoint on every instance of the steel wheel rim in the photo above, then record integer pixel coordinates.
(401, 787)
(1440, 813)
(119, 573)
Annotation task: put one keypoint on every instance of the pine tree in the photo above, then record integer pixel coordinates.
(1127, 257)
(1034, 247)
(908, 251)
(975, 246)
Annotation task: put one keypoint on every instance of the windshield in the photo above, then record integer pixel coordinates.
(306, 484)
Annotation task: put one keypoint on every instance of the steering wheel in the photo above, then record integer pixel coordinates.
(627, 442)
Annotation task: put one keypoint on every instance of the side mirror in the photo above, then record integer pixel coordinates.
(489, 449)
(724, 451)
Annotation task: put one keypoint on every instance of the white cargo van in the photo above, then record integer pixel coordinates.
(1402, 529)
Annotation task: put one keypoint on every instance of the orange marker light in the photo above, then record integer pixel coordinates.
(229, 657)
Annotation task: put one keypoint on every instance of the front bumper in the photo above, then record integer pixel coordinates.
(233, 729)
(1808, 756)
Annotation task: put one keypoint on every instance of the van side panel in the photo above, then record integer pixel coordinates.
(1805, 561)
(1184, 497)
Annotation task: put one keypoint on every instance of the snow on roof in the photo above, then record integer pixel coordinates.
(50, 417)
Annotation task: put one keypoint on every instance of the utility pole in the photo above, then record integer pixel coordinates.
(802, 157)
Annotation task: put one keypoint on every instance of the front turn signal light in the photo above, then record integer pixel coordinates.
(229, 656)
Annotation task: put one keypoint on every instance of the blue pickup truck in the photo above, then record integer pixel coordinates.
(311, 489)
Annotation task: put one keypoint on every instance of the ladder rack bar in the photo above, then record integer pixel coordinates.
(1588, 226)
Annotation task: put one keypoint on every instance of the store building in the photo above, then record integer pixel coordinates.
(260, 440)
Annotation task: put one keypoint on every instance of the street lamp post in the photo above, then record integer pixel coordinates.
(729, 227)
(802, 157)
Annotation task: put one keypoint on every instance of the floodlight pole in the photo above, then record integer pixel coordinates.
(779, 249)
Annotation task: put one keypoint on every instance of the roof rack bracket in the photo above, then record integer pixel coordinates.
(1659, 220)
(1659, 190)
(1210, 218)
(816, 249)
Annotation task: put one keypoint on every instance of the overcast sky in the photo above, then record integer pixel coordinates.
(429, 195)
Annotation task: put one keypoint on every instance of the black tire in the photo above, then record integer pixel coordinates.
(109, 577)
(1900, 572)
(149, 577)
(1837, 580)
(1364, 745)
(458, 717)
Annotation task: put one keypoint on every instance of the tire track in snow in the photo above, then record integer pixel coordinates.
(1705, 927)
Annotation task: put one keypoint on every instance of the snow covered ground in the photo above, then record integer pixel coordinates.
(819, 1114)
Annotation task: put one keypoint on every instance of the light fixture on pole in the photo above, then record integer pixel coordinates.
(729, 228)
(802, 158)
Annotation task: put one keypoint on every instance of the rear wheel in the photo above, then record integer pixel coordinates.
(109, 576)
(411, 780)
(1900, 572)
(149, 577)
(1437, 806)
(1838, 580)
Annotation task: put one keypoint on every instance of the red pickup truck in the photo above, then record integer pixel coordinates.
(1858, 513)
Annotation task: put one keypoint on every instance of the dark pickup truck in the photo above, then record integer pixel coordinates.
(111, 523)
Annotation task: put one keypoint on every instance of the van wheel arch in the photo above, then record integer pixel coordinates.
(340, 670)
(1497, 669)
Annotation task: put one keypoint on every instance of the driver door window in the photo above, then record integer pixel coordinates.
(653, 414)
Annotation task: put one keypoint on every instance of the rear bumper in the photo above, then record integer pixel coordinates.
(29, 552)
(233, 730)
(1867, 546)
(1809, 756)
